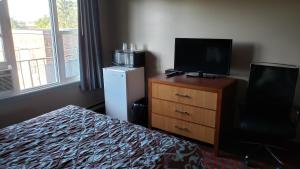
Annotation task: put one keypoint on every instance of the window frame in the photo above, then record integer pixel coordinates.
(57, 50)
(58, 46)
(3, 65)
(8, 45)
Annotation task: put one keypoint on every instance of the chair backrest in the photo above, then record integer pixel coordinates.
(271, 90)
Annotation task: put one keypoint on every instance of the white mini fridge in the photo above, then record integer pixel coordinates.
(122, 87)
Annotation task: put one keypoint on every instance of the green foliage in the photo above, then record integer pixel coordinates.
(17, 24)
(43, 23)
(67, 16)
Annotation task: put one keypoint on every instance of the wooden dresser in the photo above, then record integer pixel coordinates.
(197, 108)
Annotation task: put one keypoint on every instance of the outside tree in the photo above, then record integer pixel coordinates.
(17, 24)
(67, 16)
(43, 23)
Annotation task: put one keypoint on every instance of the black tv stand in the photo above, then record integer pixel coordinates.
(195, 74)
(210, 76)
(202, 75)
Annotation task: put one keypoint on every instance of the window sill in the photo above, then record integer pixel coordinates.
(28, 92)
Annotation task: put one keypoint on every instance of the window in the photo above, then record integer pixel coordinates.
(2, 59)
(3, 52)
(44, 42)
(32, 38)
(68, 31)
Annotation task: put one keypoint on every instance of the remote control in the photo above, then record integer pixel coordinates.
(172, 74)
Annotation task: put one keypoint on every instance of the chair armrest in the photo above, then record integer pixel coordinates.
(296, 116)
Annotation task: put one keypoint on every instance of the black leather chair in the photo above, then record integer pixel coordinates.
(266, 113)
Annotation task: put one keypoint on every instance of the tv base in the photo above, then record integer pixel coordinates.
(194, 74)
(203, 75)
(210, 76)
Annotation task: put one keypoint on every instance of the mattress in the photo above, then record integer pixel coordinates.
(73, 137)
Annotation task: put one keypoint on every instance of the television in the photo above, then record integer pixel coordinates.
(205, 55)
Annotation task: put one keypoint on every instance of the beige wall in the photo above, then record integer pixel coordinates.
(266, 31)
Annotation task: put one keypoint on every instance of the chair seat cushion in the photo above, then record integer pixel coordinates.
(267, 127)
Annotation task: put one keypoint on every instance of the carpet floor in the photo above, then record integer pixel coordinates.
(231, 158)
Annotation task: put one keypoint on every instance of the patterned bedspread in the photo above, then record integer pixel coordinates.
(73, 137)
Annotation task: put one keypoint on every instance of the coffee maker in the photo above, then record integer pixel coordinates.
(128, 58)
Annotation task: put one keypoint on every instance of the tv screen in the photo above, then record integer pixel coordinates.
(206, 55)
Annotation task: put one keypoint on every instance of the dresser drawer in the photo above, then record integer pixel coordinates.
(191, 130)
(188, 113)
(184, 95)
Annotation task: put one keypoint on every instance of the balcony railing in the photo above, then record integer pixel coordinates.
(42, 71)
(36, 72)
(34, 57)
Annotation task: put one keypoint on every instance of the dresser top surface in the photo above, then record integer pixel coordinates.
(183, 80)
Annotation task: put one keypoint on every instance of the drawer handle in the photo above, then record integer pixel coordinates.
(182, 95)
(182, 112)
(182, 128)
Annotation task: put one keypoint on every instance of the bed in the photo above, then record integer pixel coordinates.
(73, 137)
